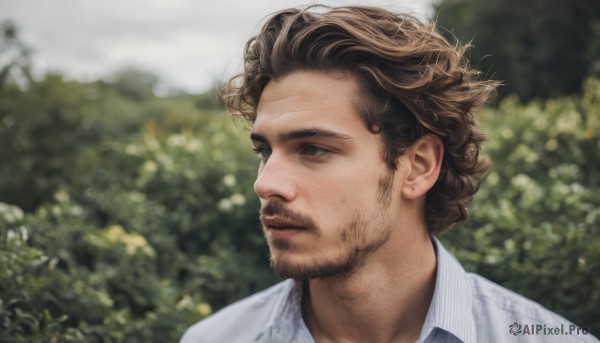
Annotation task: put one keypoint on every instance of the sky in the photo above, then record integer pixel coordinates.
(188, 44)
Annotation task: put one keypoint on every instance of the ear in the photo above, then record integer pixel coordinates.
(424, 159)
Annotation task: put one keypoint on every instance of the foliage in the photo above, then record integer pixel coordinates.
(539, 48)
(15, 56)
(535, 222)
(126, 217)
(20, 265)
(46, 126)
(110, 233)
(151, 236)
(159, 229)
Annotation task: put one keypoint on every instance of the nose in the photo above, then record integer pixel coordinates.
(275, 180)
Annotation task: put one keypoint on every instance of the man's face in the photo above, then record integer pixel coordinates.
(324, 188)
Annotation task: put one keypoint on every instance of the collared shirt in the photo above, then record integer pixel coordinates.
(465, 308)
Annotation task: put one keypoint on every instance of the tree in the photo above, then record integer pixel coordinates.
(539, 48)
(14, 56)
(135, 84)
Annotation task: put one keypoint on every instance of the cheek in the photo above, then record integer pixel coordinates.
(334, 195)
(344, 182)
(334, 200)
(336, 189)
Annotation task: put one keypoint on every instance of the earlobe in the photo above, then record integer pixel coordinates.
(425, 161)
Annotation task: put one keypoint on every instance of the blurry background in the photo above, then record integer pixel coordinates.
(126, 203)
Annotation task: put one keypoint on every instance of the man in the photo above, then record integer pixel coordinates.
(363, 122)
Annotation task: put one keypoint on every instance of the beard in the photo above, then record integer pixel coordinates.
(357, 239)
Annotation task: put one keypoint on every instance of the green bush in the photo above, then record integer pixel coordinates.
(46, 126)
(145, 233)
(535, 222)
(154, 234)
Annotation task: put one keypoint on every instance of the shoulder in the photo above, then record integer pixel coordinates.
(241, 321)
(501, 312)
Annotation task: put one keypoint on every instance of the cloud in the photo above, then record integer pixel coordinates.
(188, 44)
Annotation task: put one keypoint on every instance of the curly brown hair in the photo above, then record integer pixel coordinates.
(412, 82)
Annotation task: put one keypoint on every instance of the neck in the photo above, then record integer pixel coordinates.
(385, 300)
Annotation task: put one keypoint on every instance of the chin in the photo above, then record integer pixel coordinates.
(289, 268)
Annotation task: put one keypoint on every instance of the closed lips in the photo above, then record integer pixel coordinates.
(279, 224)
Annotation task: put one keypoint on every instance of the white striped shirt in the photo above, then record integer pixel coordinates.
(465, 308)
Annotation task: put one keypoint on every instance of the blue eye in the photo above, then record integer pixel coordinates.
(313, 150)
(263, 152)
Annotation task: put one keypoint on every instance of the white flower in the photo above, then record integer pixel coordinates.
(225, 205)
(150, 167)
(176, 141)
(238, 199)
(193, 145)
(229, 180)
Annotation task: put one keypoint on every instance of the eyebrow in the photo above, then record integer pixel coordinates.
(303, 133)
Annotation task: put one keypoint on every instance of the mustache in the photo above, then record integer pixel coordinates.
(280, 210)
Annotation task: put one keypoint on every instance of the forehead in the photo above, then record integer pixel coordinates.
(309, 98)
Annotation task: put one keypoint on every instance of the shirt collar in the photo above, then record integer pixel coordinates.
(450, 308)
(286, 319)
